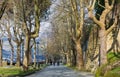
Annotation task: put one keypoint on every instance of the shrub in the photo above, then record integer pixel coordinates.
(112, 74)
(100, 71)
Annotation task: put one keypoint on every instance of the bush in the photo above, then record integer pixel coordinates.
(108, 70)
(100, 71)
(112, 74)
(112, 57)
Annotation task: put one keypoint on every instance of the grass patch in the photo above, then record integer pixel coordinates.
(116, 69)
(76, 69)
(14, 71)
(17, 71)
(100, 71)
(113, 73)
(112, 57)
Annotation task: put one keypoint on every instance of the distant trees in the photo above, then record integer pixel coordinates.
(73, 21)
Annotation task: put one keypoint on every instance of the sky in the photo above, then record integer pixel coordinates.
(45, 29)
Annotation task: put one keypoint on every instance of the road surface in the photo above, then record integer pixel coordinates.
(59, 71)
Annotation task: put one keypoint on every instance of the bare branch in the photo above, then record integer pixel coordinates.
(100, 4)
(113, 26)
(4, 5)
(92, 16)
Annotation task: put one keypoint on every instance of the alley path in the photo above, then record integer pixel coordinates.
(59, 71)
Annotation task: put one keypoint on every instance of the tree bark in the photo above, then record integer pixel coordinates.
(26, 53)
(80, 63)
(68, 58)
(74, 58)
(12, 56)
(12, 51)
(103, 45)
(3, 7)
(102, 24)
(18, 56)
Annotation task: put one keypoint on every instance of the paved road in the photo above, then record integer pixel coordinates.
(59, 71)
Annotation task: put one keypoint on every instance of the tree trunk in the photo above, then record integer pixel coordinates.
(18, 56)
(0, 53)
(80, 63)
(12, 56)
(35, 56)
(12, 51)
(103, 45)
(74, 58)
(68, 58)
(26, 53)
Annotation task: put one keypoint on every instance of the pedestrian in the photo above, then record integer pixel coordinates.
(54, 63)
(58, 63)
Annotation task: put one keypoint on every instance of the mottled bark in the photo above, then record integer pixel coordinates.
(3, 7)
(26, 53)
(102, 24)
(80, 62)
(68, 58)
(12, 56)
(18, 56)
(74, 58)
(103, 45)
(12, 49)
(79, 20)
(29, 34)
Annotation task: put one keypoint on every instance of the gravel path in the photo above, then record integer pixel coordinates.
(59, 71)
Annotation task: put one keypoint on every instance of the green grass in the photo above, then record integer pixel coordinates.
(17, 71)
(12, 71)
(112, 57)
(113, 73)
(116, 69)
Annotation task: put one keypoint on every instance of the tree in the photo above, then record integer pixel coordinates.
(39, 9)
(101, 22)
(2, 9)
(1, 34)
(17, 31)
(79, 20)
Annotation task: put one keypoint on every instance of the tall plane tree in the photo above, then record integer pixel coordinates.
(2, 9)
(78, 15)
(31, 30)
(101, 22)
